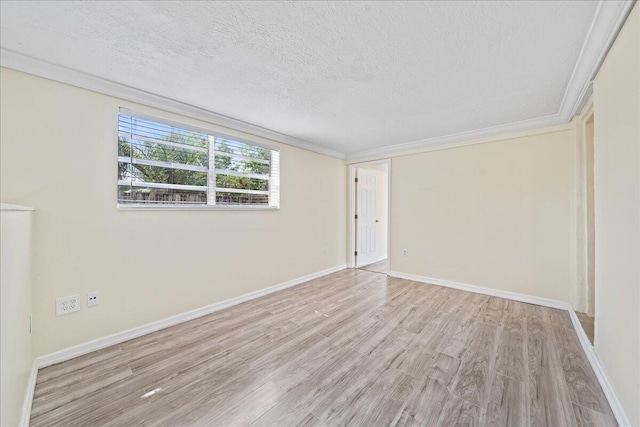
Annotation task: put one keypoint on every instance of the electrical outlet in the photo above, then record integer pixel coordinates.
(405, 252)
(67, 305)
(92, 299)
(324, 251)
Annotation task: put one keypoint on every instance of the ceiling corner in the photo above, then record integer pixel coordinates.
(607, 22)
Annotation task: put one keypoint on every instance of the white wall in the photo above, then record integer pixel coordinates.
(496, 214)
(16, 354)
(617, 215)
(59, 154)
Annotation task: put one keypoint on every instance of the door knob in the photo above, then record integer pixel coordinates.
(377, 220)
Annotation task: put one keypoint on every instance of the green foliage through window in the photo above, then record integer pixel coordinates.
(163, 164)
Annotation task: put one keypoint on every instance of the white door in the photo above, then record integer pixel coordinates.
(366, 217)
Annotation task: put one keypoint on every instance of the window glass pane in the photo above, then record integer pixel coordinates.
(124, 146)
(169, 154)
(161, 175)
(241, 199)
(141, 195)
(241, 165)
(240, 148)
(124, 171)
(140, 128)
(241, 182)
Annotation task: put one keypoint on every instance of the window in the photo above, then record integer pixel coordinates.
(163, 164)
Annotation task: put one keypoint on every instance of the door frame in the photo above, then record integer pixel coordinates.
(352, 207)
(583, 253)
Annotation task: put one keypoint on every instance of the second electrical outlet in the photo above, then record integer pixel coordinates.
(92, 299)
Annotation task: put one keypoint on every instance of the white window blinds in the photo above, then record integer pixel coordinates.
(164, 164)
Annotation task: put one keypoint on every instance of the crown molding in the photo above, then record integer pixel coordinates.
(587, 109)
(607, 23)
(477, 136)
(605, 26)
(59, 73)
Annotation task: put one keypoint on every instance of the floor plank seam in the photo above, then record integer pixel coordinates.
(466, 400)
(590, 409)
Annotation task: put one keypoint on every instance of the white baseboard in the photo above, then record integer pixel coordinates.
(607, 388)
(28, 396)
(530, 299)
(100, 343)
(603, 379)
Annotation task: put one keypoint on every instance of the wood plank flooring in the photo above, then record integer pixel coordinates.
(351, 348)
(588, 324)
(381, 266)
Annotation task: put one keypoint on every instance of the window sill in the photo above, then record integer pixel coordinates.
(134, 207)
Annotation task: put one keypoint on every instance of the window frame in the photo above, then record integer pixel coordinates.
(211, 133)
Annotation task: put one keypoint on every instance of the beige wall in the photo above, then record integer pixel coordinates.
(496, 214)
(617, 215)
(590, 218)
(16, 354)
(58, 154)
(383, 210)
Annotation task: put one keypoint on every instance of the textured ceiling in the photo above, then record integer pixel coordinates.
(349, 76)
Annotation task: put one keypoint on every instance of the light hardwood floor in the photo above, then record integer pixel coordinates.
(587, 323)
(351, 348)
(378, 267)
